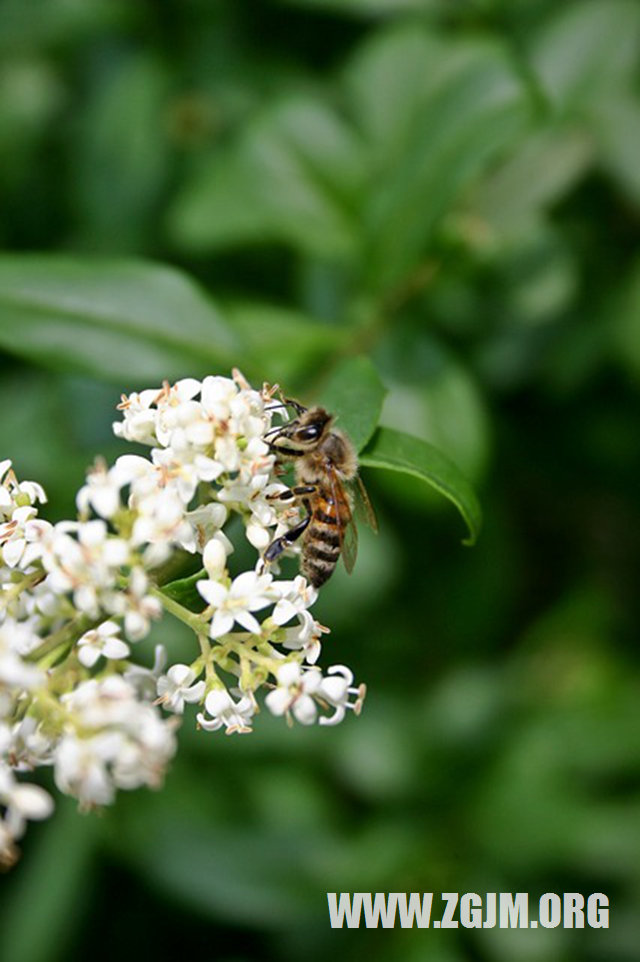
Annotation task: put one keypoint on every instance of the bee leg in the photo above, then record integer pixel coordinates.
(276, 547)
(290, 402)
(300, 491)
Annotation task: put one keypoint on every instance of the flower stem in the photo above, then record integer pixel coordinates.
(190, 618)
(64, 637)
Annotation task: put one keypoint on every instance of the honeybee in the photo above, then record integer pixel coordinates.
(327, 484)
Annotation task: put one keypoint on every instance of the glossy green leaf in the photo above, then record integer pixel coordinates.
(355, 393)
(54, 885)
(543, 168)
(373, 7)
(616, 125)
(286, 345)
(434, 115)
(184, 591)
(626, 323)
(289, 177)
(396, 451)
(445, 409)
(125, 321)
(122, 156)
(585, 49)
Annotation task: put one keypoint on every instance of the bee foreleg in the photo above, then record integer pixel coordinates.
(276, 547)
(300, 491)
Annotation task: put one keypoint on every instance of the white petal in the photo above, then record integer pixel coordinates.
(115, 648)
(194, 693)
(248, 621)
(214, 559)
(258, 536)
(12, 551)
(221, 624)
(213, 592)
(283, 612)
(209, 725)
(334, 719)
(32, 801)
(335, 690)
(304, 709)
(278, 701)
(88, 655)
(181, 675)
(218, 700)
(288, 674)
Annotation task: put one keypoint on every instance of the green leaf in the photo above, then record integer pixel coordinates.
(290, 177)
(446, 408)
(587, 49)
(121, 160)
(397, 451)
(355, 393)
(626, 323)
(543, 169)
(287, 346)
(434, 114)
(54, 886)
(616, 126)
(374, 7)
(125, 321)
(184, 591)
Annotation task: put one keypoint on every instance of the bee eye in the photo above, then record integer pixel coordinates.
(311, 433)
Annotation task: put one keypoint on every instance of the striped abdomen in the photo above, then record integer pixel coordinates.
(330, 515)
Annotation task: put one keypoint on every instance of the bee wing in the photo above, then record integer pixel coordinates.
(350, 545)
(363, 505)
(348, 532)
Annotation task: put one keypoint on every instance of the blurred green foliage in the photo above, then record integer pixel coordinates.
(453, 189)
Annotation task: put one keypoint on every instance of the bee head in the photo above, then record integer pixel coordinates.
(303, 434)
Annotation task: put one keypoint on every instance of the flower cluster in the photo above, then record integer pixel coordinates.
(78, 596)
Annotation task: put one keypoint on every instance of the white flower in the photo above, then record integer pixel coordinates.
(102, 640)
(206, 521)
(235, 716)
(83, 558)
(142, 760)
(208, 459)
(17, 494)
(295, 693)
(214, 556)
(145, 680)
(22, 802)
(175, 688)
(16, 675)
(305, 637)
(183, 467)
(101, 492)
(20, 537)
(161, 518)
(336, 691)
(29, 746)
(134, 605)
(300, 691)
(294, 598)
(248, 592)
(139, 422)
(112, 741)
(80, 767)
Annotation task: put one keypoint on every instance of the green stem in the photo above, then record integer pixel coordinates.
(65, 636)
(190, 618)
(27, 582)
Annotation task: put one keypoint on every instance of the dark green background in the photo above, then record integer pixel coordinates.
(453, 189)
